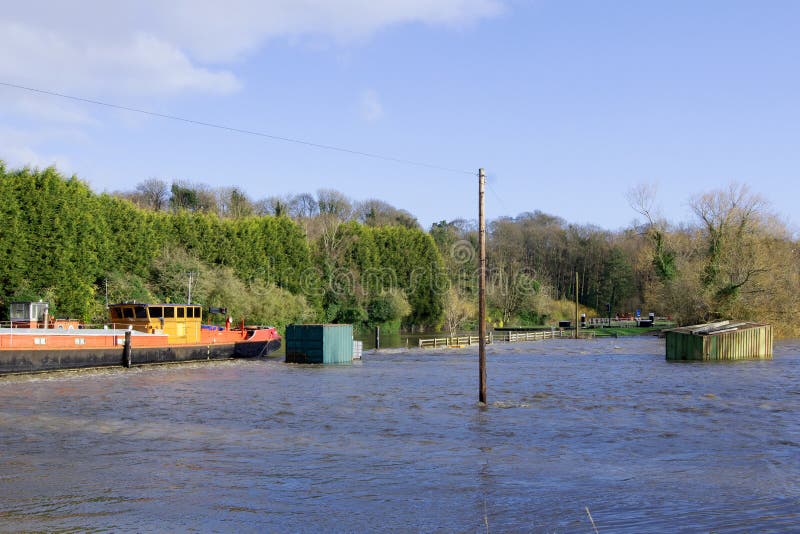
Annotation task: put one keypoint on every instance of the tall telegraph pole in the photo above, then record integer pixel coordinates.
(481, 288)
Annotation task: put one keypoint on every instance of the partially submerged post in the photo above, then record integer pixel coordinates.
(481, 290)
(724, 340)
(126, 352)
(577, 325)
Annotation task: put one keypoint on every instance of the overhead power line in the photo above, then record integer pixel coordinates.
(242, 130)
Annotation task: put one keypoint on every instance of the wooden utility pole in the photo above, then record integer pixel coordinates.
(577, 324)
(481, 289)
(191, 275)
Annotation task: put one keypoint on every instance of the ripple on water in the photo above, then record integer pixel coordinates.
(399, 442)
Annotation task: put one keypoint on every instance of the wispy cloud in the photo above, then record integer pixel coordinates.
(124, 51)
(140, 63)
(22, 148)
(371, 107)
(153, 47)
(217, 31)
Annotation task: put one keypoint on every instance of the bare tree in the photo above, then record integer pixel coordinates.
(331, 202)
(303, 206)
(153, 194)
(457, 310)
(731, 218)
(727, 212)
(642, 199)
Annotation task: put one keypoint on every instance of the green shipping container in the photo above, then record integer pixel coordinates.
(720, 341)
(319, 343)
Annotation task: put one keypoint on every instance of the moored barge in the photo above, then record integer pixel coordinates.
(137, 334)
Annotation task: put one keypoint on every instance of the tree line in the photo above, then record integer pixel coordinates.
(335, 262)
(736, 260)
(324, 257)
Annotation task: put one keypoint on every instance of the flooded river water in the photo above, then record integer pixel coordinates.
(397, 442)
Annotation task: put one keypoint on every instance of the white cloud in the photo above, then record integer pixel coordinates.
(371, 108)
(217, 31)
(138, 63)
(101, 49)
(155, 47)
(19, 150)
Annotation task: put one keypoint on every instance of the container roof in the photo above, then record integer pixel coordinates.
(719, 327)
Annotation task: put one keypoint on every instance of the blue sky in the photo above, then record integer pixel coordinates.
(567, 104)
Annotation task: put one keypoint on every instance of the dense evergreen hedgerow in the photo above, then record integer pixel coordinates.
(62, 242)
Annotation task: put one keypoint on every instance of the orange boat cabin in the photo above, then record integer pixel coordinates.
(180, 322)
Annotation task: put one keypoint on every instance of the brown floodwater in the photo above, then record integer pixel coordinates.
(397, 442)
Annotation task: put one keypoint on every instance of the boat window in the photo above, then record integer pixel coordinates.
(169, 312)
(18, 311)
(127, 313)
(156, 312)
(115, 313)
(38, 311)
(197, 312)
(180, 312)
(141, 312)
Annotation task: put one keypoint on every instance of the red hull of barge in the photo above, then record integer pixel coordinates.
(34, 350)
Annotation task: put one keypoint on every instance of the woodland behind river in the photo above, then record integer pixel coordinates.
(324, 257)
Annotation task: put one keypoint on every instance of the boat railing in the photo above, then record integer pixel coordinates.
(120, 326)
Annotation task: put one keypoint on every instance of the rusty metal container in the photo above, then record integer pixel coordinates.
(724, 340)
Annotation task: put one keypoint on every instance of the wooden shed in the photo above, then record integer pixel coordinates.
(724, 340)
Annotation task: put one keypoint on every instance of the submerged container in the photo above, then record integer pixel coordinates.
(319, 343)
(724, 340)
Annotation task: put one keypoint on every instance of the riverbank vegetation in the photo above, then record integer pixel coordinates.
(324, 257)
(736, 260)
(63, 243)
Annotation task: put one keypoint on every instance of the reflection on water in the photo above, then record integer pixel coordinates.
(398, 442)
(394, 339)
(399, 340)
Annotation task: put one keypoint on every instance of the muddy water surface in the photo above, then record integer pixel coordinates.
(397, 442)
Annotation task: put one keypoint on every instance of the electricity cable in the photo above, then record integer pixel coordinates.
(494, 192)
(242, 130)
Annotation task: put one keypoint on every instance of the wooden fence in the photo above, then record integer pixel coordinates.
(493, 337)
(455, 341)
